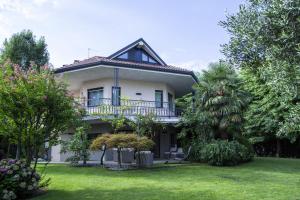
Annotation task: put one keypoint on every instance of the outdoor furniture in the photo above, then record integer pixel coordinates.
(178, 154)
(144, 158)
(127, 155)
(108, 156)
(185, 156)
(167, 155)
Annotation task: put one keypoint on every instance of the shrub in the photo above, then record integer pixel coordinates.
(226, 153)
(17, 180)
(196, 150)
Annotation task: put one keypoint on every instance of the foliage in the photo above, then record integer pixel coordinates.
(264, 43)
(218, 107)
(23, 48)
(78, 145)
(100, 141)
(17, 180)
(120, 141)
(215, 111)
(146, 125)
(224, 152)
(196, 150)
(34, 108)
(118, 121)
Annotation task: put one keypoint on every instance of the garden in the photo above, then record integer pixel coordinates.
(264, 178)
(242, 111)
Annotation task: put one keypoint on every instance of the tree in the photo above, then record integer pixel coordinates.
(79, 145)
(264, 43)
(219, 105)
(146, 125)
(36, 107)
(23, 48)
(121, 141)
(100, 143)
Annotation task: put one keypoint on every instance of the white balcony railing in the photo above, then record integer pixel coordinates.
(105, 106)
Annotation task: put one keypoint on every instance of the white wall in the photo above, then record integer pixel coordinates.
(129, 88)
(56, 156)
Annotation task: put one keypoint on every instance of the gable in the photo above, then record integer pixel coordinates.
(138, 51)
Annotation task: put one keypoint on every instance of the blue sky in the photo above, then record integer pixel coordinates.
(183, 33)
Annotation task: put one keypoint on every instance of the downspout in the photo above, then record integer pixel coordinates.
(116, 84)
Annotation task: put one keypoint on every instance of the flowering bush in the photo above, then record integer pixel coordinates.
(17, 180)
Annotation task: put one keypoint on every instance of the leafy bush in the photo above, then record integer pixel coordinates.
(78, 145)
(226, 153)
(17, 180)
(196, 150)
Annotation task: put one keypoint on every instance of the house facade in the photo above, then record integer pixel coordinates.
(133, 81)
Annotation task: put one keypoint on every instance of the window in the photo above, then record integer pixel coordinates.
(95, 97)
(123, 56)
(116, 96)
(144, 57)
(138, 55)
(158, 98)
(151, 60)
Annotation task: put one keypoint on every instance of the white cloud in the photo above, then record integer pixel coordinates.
(34, 10)
(194, 65)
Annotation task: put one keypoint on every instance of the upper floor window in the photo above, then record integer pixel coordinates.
(158, 98)
(145, 57)
(116, 96)
(138, 55)
(124, 56)
(95, 97)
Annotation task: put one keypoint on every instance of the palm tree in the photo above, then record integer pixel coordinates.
(220, 101)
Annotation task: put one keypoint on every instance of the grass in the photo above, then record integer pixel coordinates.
(264, 178)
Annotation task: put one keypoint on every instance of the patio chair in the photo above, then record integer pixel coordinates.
(178, 154)
(167, 155)
(182, 156)
(185, 156)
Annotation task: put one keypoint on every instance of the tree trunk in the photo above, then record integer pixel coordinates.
(18, 153)
(119, 157)
(278, 148)
(28, 156)
(224, 135)
(36, 153)
(102, 156)
(139, 159)
(8, 150)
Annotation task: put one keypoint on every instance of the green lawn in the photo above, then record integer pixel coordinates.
(265, 178)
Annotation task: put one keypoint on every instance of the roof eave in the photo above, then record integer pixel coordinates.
(77, 67)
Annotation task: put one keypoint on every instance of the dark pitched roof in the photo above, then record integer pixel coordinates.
(109, 61)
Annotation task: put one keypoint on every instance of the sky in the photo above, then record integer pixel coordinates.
(184, 33)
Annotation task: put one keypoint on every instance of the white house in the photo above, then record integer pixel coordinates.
(135, 77)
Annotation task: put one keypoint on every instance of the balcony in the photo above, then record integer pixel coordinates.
(105, 106)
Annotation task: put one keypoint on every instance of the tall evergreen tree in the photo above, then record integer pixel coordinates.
(23, 48)
(264, 43)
